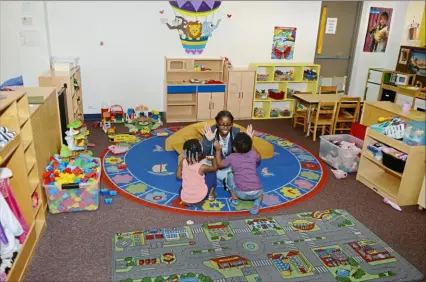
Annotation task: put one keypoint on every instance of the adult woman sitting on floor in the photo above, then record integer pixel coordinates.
(224, 133)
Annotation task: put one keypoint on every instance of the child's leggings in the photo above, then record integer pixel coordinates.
(211, 180)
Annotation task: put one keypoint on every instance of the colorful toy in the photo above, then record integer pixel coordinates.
(117, 150)
(259, 112)
(113, 193)
(145, 132)
(34, 198)
(130, 115)
(104, 192)
(155, 115)
(106, 125)
(127, 138)
(117, 114)
(310, 74)
(392, 204)
(141, 111)
(72, 184)
(108, 201)
(162, 134)
(111, 130)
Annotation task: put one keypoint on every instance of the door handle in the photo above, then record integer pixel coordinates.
(210, 105)
(242, 95)
(213, 106)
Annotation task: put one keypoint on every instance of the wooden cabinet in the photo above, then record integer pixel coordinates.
(422, 197)
(19, 155)
(209, 104)
(74, 96)
(240, 93)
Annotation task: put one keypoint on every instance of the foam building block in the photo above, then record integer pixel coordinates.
(175, 141)
(104, 192)
(113, 193)
(108, 201)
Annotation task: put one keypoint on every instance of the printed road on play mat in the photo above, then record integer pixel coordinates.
(291, 176)
(327, 245)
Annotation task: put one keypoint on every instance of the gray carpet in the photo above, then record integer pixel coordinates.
(76, 247)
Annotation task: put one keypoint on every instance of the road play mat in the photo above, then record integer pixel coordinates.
(325, 245)
(149, 176)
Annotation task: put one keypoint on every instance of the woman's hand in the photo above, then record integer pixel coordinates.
(217, 146)
(250, 131)
(208, 132)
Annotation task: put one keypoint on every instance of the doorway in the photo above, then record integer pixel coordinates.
(337, 37)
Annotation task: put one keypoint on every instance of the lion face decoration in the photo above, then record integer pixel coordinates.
(194, 30)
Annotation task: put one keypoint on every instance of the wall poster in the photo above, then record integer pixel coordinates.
(283, 43)
(377, 34)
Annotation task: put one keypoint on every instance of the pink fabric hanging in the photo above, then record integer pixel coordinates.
(13, 205)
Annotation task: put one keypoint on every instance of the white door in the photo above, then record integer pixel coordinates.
(375, 76)
(372, 92)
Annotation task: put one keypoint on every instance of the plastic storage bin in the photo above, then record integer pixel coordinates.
(393, 163)
(339, 158)
(415, 133)
(73, 197)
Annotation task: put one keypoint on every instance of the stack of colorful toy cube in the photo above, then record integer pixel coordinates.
(72, 184)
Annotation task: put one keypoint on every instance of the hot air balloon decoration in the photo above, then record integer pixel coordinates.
(194, 33)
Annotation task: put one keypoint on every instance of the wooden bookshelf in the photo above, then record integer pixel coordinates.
(401, 188)
(298, 84)
(19, 156)
(74, 95)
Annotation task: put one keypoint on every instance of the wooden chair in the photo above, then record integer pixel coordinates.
(347, 113)
(322, 118)
(328, 89)
(300, 116)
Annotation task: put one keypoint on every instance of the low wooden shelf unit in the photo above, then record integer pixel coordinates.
(401, 188)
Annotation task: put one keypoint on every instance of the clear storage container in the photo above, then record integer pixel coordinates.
(73, 197)
(340, 158)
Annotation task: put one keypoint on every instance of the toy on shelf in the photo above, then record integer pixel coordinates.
(34, 198)
(261, 94)
(283, 76)
(262, 77)
(274, 113)
(310, 74)
(259, 112)
(200, 68)
(276, 94)
(117, 114)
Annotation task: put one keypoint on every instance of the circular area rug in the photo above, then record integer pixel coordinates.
(291, 176)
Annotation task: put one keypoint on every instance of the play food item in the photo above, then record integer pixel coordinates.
(392, 204)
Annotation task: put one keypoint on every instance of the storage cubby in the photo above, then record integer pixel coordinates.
(261, 110)
(23, 110)
(18, 155)
(401, 188)
(181, 113)
(186, 80)
(276, 76)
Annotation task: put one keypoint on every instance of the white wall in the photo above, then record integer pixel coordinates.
(415, 11)
(16, 59)
(388, 59)
(129, 68)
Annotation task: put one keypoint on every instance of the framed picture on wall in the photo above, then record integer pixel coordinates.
(417, 62)
(379, 21)
(404, 54)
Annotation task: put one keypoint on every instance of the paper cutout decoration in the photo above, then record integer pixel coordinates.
(283, 43)
(193, 33)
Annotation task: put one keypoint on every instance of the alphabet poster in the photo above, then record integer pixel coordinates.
(283, 43)
(376, 38)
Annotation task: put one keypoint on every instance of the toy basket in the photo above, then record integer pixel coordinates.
(282, 77)
(393, 163)
(262, 77)
(276, 95)
(73, 197)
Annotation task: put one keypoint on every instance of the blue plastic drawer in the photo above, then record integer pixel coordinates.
(211, 88)
(181, 89)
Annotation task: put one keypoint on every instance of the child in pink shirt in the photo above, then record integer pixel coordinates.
(195, 184)
(243, 182)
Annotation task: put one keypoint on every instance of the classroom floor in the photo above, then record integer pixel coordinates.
(78, 247)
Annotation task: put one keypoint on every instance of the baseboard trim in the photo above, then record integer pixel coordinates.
(98, 116)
